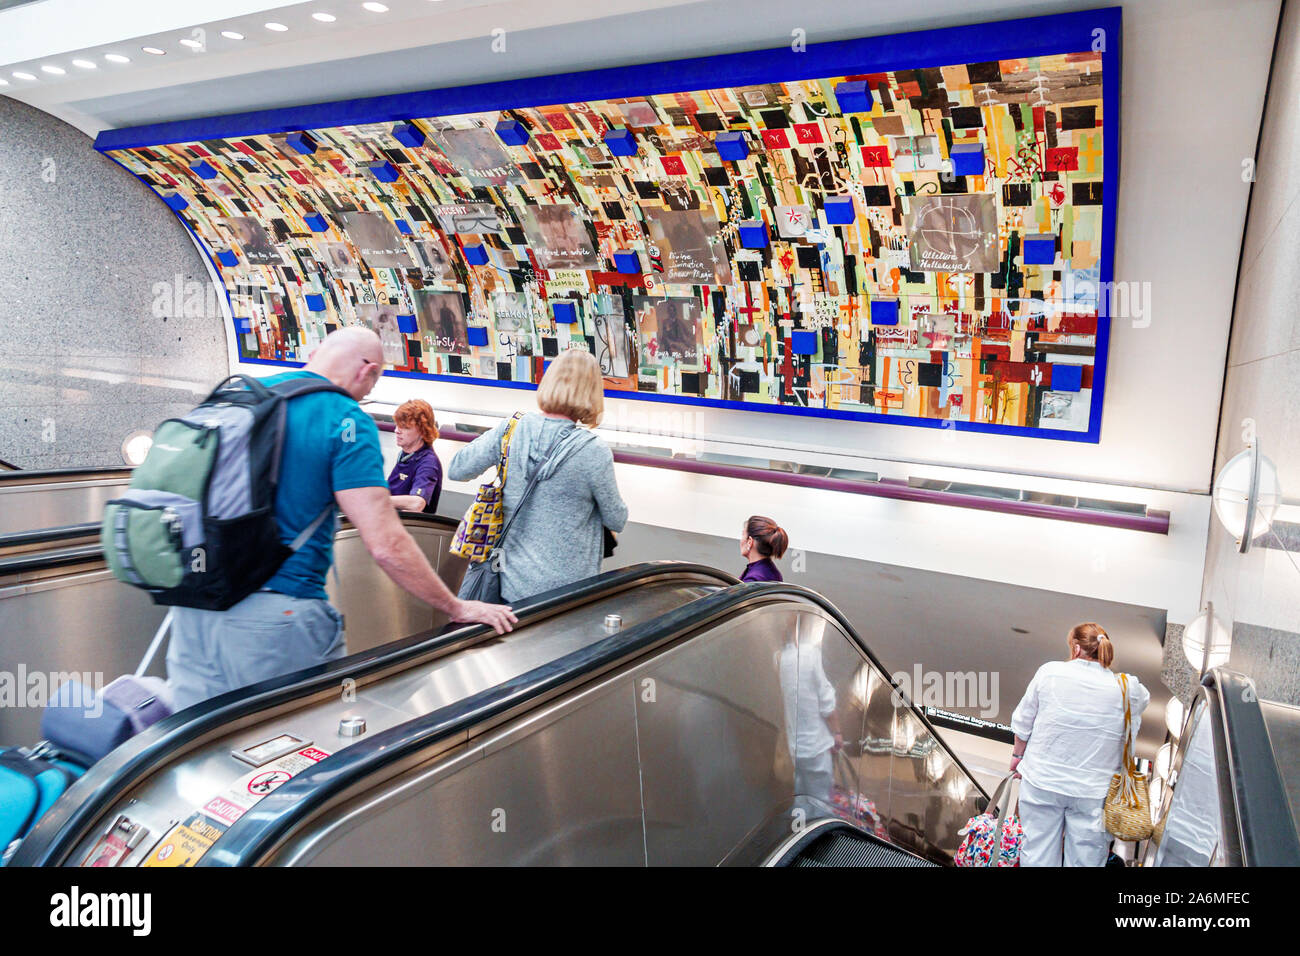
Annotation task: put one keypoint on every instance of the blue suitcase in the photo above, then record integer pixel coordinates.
(30, 782)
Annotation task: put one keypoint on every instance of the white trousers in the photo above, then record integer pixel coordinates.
(1061, 830)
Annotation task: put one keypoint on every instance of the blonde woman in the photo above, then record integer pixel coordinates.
(557, 538)
(1069, 731)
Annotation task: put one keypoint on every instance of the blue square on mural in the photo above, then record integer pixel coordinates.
(316, 222)
(967, 159)
(202, 170)
(732, 145)
(512, 132)
(228, 258)
(478, 335)
(839, 210)
(884, 311)
(408, 134)
(753, 234)
(384, 171)
(301, 142)
(1067, 378)
(403, 227)
(175, 201)
(1040, 250)
(407, 324)
(566, 313)
(476, 254)
(620, 141)
(243, 324)
(627, 262)
(803, 342)
(853, 96)
(315, 303)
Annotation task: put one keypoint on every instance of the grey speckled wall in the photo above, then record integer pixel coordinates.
(95, 342)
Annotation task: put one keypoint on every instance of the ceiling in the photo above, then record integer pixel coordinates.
(200, 70)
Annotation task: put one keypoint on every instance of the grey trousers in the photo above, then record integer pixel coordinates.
(265, 635)
(1061, 830)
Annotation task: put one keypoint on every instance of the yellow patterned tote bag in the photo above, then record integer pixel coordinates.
(480, 529)
(1127, 810)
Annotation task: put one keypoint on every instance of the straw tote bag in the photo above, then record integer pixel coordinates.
(1127, 810)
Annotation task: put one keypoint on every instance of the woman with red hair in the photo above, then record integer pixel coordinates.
(416, 480)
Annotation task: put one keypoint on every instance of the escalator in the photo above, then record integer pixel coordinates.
(642, 717)
(64, 615)
(57, 498)
(1234, 783)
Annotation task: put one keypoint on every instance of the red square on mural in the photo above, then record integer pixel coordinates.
(877, 156)
(776, 139)
(807, 132)
(298, 177)
(339, 165)
(673, 165)
(548, 141)
(1062, 159)
(558, 121)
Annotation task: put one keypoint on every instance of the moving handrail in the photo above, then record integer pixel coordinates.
(69, 820)
(51, 476)
(1258, 826)
(258, 832)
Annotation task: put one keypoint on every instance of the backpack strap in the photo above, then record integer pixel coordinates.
(294, 387)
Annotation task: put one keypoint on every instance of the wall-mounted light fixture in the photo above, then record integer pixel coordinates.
(1246, 495)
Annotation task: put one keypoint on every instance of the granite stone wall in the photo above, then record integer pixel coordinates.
(108, 321)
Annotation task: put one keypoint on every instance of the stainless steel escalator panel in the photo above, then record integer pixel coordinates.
(49, 502)
(673, 757)
(205, 771)
(1283, 723)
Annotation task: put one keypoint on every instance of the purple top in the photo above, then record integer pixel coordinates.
(762, 570)
(419, 473)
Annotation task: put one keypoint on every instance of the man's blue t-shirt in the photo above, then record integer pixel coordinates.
(330, 445)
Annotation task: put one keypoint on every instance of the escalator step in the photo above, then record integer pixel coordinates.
(849, 849)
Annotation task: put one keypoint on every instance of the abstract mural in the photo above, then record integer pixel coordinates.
(919, 245)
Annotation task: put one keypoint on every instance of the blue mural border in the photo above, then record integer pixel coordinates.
(1001, 40)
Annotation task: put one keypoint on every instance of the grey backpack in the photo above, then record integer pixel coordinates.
(196, 526)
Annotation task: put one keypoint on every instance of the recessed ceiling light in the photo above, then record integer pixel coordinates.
(4, 82)
(56, 70)
(192, 44)
(232, 35)
(154, 50)
(277, 27)
(19, 75)
(324, 17)
(116, 58)
(85, 64)
(375, 7)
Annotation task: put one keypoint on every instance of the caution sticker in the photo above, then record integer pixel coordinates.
(244, 793)
(185, 843)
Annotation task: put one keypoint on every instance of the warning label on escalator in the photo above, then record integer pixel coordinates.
(185, 843)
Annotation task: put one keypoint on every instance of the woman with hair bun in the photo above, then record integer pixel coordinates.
(762, 540)
(1069, 731)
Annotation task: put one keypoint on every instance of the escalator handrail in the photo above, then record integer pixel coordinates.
(55, 475)
(53, 557)
(1254, 810)
(60, 830)
(273, 818)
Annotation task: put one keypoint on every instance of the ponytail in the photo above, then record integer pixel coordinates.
(768, 535)
(1093, 641)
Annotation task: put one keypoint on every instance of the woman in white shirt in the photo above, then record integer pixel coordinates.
(1069, 731)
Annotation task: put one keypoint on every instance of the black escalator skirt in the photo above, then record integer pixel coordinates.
(847, 847)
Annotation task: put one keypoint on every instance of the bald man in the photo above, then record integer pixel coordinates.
(331, 455)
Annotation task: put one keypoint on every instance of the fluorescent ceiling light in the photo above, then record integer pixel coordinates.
(232, 35)
(19, 75)
(324, 17)
(192, 44)
(85, 64)
(277, 27)
(154, 50)
(116, 58)
(55, 70)
(3, 82)
(375, 7)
